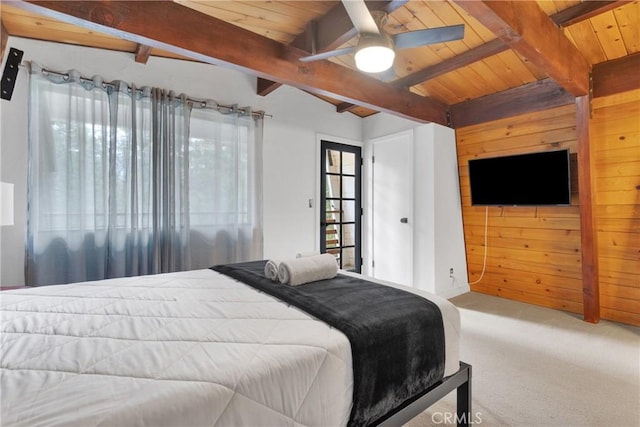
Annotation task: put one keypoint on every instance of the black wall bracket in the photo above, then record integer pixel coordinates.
(10, 73)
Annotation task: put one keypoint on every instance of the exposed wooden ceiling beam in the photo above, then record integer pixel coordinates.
(583, 11)
(343, 107)
(208, 39)
(540, 95)
(525, 27)
(466, 58)
(265, 87)
(617, 75)
(142, 53)
(611, 77)
(329, 31)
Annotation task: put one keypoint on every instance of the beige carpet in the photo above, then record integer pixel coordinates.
(539, 367)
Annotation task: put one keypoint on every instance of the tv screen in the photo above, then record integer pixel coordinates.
(524, 179)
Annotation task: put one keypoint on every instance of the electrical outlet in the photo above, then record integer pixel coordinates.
(451, 272)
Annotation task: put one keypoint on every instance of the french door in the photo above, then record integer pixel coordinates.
(341, 207)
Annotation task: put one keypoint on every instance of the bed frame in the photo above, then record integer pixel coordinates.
(460, 381)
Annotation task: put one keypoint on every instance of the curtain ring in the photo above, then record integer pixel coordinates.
(65, 77)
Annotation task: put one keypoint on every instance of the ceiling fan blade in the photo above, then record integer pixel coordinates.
(426, 37)
(328, 54)
(360, 16)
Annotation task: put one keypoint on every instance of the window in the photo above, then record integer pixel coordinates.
(123, 184)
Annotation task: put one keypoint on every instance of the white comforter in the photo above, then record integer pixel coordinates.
(179, 349)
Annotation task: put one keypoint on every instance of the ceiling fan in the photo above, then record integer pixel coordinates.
(375, 50)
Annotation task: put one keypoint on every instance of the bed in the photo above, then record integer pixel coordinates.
(188, 349)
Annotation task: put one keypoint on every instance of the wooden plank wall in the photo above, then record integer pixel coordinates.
(533, 253)
(615, 131)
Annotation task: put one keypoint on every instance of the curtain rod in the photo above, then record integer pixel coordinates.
(203, 103)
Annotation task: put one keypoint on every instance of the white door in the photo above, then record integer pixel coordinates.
(393, 208)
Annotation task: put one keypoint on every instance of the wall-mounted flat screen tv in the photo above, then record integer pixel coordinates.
(521, 180)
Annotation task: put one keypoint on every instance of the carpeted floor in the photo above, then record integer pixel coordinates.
(539, 367)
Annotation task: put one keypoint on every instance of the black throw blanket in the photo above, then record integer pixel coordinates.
(397, 338)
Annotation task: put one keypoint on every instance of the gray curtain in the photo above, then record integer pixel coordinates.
(109, 182)
(148, 164)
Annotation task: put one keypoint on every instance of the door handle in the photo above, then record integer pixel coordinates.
(404, 220)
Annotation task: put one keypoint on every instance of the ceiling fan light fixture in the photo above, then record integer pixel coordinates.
(374, 59)
(375, 54)
(375, 51)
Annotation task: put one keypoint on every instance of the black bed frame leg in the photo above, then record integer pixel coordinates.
(463, 411)
(460, 381)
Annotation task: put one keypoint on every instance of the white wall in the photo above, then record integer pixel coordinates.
(438, 210)
(289, 138)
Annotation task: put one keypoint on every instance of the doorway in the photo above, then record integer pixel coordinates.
(340, 204)
(392, 208)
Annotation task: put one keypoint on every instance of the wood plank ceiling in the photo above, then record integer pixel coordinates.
(445, 74)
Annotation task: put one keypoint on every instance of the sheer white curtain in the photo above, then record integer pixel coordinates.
(110, 173)
(225, 191)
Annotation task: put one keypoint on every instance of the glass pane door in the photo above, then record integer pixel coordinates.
(341, 210)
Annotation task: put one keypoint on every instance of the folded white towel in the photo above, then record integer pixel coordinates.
(298, 271)
(306, 254)
(271, 269)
